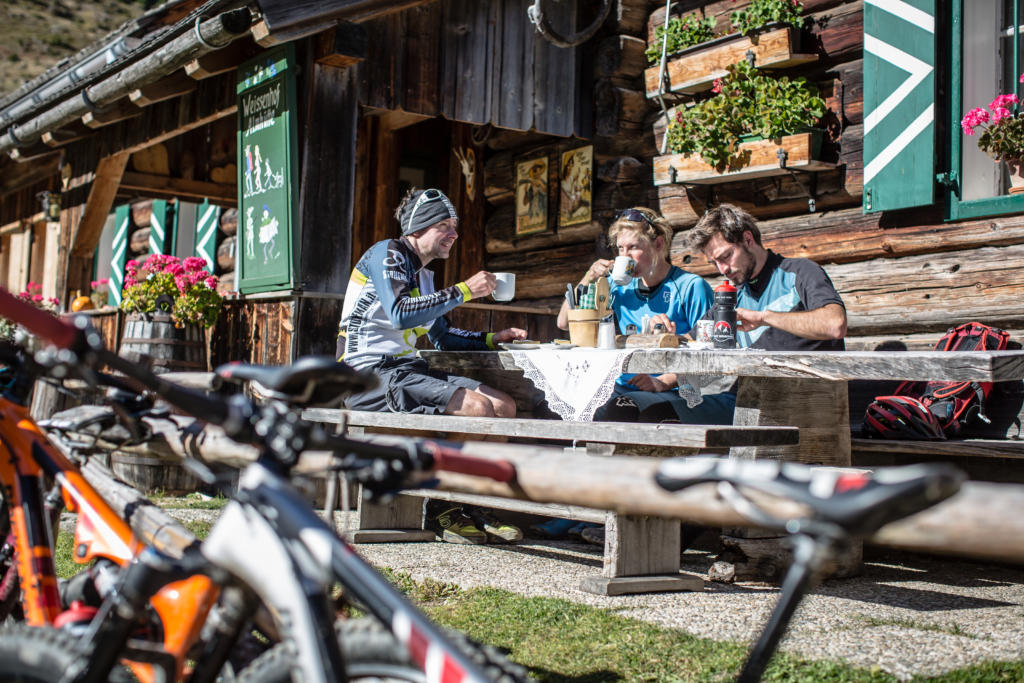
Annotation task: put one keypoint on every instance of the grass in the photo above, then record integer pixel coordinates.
(562, 641)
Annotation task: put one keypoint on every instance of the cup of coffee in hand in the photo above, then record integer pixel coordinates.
(623, 270)
(506, 287)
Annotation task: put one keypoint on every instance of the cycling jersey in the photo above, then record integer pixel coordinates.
(390, 302)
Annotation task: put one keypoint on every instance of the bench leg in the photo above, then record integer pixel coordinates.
(820, 408)
(398, 521)
(641, 555)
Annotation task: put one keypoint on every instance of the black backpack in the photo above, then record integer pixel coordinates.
(949, 405)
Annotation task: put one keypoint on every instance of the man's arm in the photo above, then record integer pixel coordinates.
(827, 322)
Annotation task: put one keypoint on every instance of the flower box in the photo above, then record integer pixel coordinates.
(756, 159)
(695, 69)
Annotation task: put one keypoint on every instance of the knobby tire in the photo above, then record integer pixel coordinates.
(371, 653)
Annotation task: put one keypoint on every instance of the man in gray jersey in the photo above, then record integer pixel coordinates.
(390, 302)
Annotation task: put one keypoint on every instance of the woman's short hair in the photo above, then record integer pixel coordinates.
(645, 221)
(726, 220)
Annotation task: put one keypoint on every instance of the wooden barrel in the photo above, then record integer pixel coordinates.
(166, 347)
(149, 474)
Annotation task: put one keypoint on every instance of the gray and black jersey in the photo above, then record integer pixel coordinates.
(390, 302)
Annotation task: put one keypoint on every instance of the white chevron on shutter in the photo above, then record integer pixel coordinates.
(917, 71)
(156, 229)
(206, 233)
(120, 246)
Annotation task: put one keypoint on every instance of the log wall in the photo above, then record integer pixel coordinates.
(900, 272)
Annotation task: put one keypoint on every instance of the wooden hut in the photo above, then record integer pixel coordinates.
(538, 144)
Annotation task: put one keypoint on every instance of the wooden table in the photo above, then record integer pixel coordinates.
(802, 389)
(807, 390)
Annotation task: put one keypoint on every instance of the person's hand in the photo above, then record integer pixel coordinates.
(747, 320)
(598, 269)
(648, 383)
(662, 319)
(509, 335)
(481, 284)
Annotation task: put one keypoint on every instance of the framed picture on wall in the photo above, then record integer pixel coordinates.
(575, 177)
(532, 195)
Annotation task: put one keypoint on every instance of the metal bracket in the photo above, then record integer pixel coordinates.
(950, 181)
(751, 58)
(709, 188)
(810, 189)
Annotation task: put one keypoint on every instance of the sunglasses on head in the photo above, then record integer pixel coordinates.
(425, 196)
(634, 216)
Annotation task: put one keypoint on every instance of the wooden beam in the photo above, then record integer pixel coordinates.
(119, 111)
(347, 46)
(13, 226)
(31, 152)
(175, 85)
(191, 125)
(97, 206)
(397, 119)
(159, 186)
(282, 14)
(14, 177)
(65, 134)
(221, 61)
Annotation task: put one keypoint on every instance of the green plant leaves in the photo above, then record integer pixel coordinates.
(747, 101)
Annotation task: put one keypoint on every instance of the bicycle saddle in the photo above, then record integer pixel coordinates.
(858, 502)
(312, 380)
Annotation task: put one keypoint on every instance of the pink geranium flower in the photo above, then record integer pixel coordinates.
(1001, 129)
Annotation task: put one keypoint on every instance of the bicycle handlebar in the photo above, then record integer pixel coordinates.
(237, 420)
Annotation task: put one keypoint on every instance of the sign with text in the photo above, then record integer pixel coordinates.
(267, 187)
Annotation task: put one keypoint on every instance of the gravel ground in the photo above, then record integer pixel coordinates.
(907, 614)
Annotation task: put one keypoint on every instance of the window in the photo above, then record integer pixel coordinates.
(903, 165)
(986, 61)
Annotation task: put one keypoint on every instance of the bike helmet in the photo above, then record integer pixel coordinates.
(901, 417)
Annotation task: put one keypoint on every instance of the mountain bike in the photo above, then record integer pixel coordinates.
(268, 542)
(842, 506)
(39, 480)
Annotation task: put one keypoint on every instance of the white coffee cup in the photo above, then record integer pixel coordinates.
(622, 271)
(506, 288)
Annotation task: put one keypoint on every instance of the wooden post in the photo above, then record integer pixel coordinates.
(820, 408)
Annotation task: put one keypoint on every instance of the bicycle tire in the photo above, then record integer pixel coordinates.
(41, 655)
(371, 653)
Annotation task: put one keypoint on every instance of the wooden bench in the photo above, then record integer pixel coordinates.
(641, 553)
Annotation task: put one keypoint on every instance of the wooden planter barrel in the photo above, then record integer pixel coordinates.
(168, 348)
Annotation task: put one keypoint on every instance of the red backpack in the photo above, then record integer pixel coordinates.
(948, 405)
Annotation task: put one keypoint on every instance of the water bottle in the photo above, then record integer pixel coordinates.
(723, 336)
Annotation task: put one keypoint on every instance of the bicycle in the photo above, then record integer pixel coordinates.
(29, 509)
(300, 557)
(842, 507)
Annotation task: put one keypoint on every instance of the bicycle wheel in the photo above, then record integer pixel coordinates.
(372, 654)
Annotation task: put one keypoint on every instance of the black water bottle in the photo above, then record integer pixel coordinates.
(723, 335)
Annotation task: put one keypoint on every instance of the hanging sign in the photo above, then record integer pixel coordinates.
(267, 183)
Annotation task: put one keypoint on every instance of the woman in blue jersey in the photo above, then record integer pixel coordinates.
(660, 293)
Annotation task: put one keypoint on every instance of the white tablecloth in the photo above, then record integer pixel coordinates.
(576, 382)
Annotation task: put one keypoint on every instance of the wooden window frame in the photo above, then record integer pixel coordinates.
(957, 208)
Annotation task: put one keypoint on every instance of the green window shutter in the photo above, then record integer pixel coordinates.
(161, 228)
(207, 220)
(899, 104)
(122, 223)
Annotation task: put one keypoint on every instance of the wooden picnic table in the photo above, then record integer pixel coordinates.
(807, 390)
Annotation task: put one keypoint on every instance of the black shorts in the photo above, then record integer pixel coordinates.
(408, 385)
